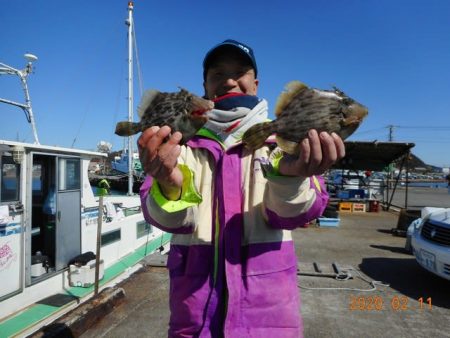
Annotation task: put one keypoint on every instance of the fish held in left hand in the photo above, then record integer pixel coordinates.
(299, 109)
(182, 111)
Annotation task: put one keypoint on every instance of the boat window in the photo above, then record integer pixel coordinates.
(111, 237)
(37, 185)
(143, 229)
(69, 174)
(10, 180)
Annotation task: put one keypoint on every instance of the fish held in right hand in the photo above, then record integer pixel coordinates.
(182, 111)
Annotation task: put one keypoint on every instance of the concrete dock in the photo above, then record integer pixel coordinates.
(386, 295)
(379, 289)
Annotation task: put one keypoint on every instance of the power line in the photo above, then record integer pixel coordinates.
(391, 128)
(370, 131)
(423, 127)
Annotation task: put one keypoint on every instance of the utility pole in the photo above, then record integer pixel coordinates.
(391, 132)
(390, 174)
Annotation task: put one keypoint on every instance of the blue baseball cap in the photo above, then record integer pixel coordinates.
(241, 47)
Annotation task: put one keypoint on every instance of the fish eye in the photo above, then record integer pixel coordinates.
(339, 92)
(346, 100)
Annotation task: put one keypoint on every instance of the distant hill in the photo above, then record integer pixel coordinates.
(416, 164)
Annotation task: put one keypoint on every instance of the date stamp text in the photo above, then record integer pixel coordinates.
(394, 303)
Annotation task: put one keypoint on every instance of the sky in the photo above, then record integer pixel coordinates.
(391, 55)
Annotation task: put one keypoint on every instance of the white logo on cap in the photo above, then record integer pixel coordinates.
(244, 49)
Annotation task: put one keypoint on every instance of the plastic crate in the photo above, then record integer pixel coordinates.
(356, 193)
(359, 207)
(345, 206)
(328, 222)
(343, 194)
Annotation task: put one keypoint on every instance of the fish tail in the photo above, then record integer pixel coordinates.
(127, 128)
(256, 135)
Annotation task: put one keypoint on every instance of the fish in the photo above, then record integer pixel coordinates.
(182, 111)
(300, 108)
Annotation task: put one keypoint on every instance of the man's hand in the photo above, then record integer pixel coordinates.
(158, 152)
(318, 152)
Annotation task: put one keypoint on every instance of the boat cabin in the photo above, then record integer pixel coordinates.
(45, 197)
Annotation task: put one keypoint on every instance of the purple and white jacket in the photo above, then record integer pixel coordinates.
(232, 263)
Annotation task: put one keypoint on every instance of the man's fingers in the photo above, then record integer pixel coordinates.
(319, 152)
(175, 138)
(161, 152)
(329, 152)
(155, 141)
(305, 152)
(340, 146)
(146, 135)
(315, 158)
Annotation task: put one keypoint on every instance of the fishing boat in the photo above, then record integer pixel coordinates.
(49, 219)
(121, 163)
(117, 173)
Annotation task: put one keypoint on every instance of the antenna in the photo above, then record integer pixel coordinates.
(30, 57)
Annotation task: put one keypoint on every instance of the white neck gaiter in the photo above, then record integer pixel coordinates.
(233, 114)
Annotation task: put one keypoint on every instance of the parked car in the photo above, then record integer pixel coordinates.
(430, 240)
(346, 180)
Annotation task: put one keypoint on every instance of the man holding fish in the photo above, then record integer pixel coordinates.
(231, 205)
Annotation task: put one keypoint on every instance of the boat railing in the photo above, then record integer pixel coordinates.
(116, 211)
(132, 211)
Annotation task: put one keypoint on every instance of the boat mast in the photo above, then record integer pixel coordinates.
(22, 74)
(130, 25)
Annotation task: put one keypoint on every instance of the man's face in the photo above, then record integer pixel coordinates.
(230, 72)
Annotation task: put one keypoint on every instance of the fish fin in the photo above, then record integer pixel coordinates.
(146, 100)
(126, 128)
(290, 91)
(256, 135)
(287, 146)
(201, 105)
